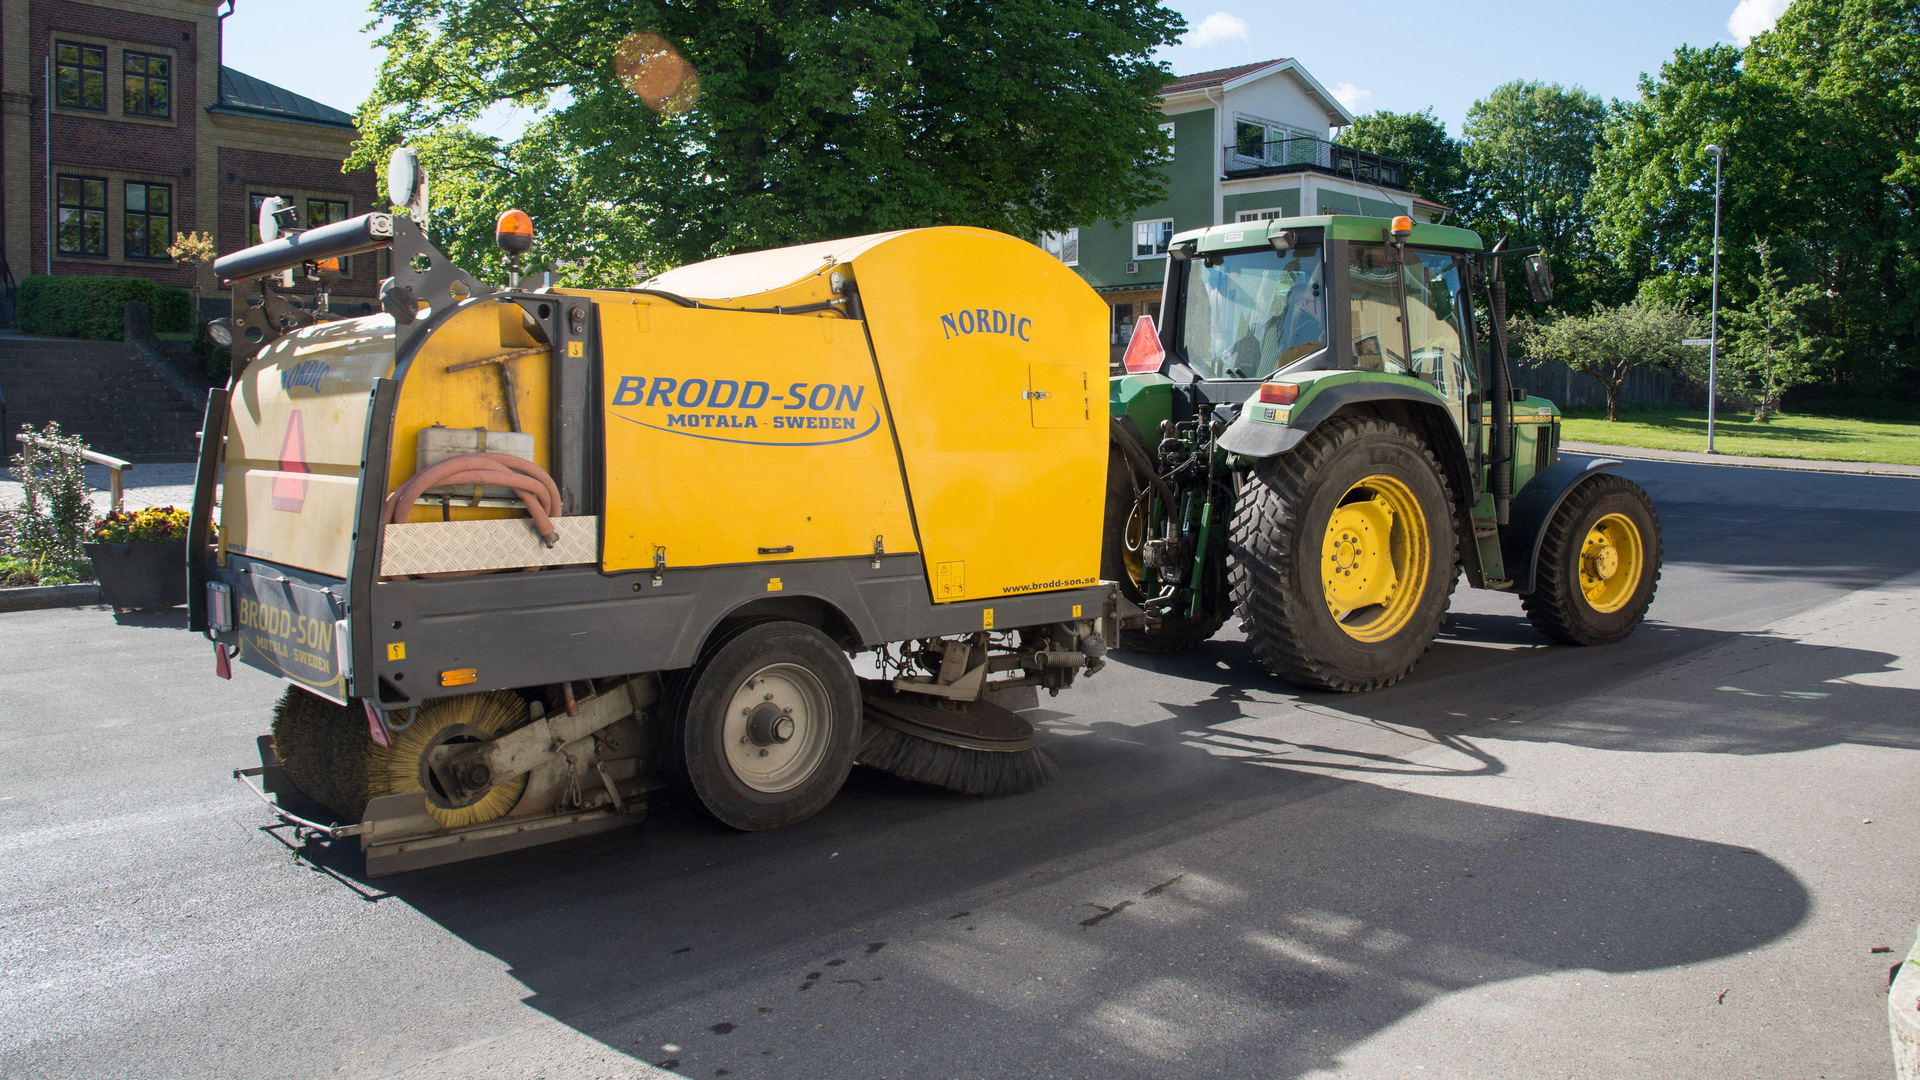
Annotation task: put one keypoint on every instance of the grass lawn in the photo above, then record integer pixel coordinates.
(1826, 438)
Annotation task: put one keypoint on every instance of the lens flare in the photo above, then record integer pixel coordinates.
(653, 69)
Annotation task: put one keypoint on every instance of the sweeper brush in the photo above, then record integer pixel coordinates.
(327, 750)
(973, 747)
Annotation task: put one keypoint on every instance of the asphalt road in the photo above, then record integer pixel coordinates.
(1670, 857)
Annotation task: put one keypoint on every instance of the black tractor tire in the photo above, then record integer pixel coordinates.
(1278, 537)
(1174, 632)
(1559, 606)
(723, 741)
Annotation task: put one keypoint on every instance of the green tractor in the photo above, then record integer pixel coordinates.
(1314, 438)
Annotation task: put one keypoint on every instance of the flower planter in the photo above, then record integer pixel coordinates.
(151, 574)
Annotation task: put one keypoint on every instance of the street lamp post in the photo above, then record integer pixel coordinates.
(1713, 328)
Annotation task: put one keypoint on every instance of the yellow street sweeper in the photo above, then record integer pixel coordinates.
(526, 554)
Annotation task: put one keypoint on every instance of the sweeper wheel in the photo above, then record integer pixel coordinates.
(472, 718)
(973, 747)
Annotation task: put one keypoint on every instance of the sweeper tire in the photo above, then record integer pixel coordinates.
(1599, 564)
(1121, 561)
(768, 724)
(1343, 555)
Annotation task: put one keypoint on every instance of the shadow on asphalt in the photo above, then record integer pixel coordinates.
(1210, 901)
(1101, 928)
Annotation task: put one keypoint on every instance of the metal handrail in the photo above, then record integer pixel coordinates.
(1306, 151)
(115, 465)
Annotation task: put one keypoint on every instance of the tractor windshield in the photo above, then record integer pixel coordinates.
(1250, 313)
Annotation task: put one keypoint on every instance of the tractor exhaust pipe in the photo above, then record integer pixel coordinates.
(1500, 379)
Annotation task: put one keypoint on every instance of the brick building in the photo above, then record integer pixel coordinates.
(150, 136)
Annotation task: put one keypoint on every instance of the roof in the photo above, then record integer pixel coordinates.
(242, 93)
(1422, 201)
(1230, 78)
(1202, 80)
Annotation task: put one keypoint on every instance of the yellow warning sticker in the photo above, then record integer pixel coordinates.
(949, 580)
(986, 619)
(396, 650)
(774, 584)
(1076, 611)
(576, 348)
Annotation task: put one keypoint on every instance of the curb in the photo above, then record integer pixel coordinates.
(1689, 457)
(35, 597)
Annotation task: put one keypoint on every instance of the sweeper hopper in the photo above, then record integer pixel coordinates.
(525, 555)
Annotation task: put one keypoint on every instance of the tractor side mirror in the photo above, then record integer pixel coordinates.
(1539, 278)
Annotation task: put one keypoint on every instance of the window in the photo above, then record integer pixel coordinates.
(1166, 131)
(1436, 307)
(83, 215)
(79, 76)
(325, 212)
(254, 199)
(1150, 237)
(1250, 140)
(1373, 290)
(149, 220)
(1253, 312)
(148, 84)
(1064, 246)
(1259, 215)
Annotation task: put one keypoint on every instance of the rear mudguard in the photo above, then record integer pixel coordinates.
(1533, 509)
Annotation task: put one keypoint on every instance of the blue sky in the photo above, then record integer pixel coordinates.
(1416, 56)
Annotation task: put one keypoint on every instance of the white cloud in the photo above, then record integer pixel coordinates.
(1221, 26)
(1351, 96)
(1754, 17)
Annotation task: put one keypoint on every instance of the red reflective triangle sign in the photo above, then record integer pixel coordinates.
(290, 487)
(1144, 354)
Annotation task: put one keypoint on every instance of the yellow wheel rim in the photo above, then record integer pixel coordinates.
(1611, 558)
(474, 718)
(1374, 559)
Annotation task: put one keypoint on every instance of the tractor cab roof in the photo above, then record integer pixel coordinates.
(1246, 234)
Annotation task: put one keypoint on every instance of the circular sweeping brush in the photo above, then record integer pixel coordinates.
(473, 718)
(972, 747)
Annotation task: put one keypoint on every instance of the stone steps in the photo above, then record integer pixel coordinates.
(95, 389)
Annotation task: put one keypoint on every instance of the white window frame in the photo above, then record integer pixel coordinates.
(1167, 129)
(1265, 213)
(1139, 232)
(1063, 245)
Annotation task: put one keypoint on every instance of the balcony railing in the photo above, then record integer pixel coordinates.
(1306, 152)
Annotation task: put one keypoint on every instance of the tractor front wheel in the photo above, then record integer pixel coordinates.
(1343, 556)
(1599, 564)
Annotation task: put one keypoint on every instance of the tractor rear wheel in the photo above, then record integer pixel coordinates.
(768, 725)
(1599, 564)
(1343, 555)
(1123, 559)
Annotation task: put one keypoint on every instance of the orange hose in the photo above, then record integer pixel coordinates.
(536, 490)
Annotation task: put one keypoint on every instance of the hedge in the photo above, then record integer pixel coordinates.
(95, 307)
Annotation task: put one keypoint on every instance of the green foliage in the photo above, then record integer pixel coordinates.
(150, 524)
(1771, 346)
(1436, 168)
(1528, 149)
(1820, 118)
(813, 120)
(44, 532)
(95, 307)
(1611, 341)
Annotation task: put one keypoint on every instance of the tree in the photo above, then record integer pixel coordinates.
(778, 121)
(1820, 118)
(1435, 167)
(1771, 345)
(1528, 148)
(1609, 343)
